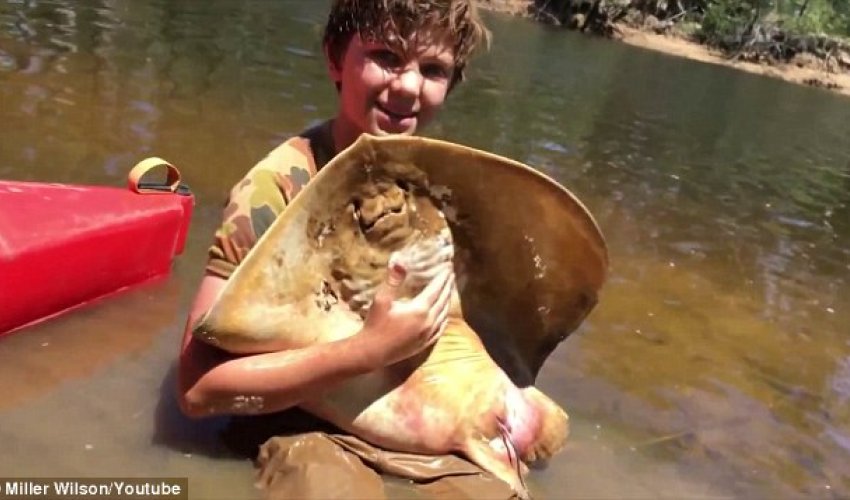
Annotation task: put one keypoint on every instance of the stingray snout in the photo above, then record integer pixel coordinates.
(385, 217)
(378, 201)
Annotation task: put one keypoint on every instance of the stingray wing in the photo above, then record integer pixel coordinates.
(531, 257)
(277, 298)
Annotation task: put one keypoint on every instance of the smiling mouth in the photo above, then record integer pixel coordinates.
(393, 115)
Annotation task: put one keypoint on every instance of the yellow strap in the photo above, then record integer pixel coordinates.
(145, 166)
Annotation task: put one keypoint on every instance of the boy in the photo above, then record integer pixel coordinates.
(393, 63)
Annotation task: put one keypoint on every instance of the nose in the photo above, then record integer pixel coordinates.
(408, 81)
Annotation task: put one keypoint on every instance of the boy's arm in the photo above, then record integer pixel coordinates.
(212, 382)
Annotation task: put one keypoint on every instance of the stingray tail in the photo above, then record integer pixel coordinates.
(510, 447)
(493, 461)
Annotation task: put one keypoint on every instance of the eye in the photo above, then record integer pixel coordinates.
(402, 185)
(385, 57)
(435, 71)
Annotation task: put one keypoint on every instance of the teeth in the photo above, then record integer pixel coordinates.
(393, 114)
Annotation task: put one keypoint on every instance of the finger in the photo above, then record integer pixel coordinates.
(439, 330)
(440, 310)
(396, 273)
(443, 318)
(432, 291)
(431, 259)
(445, 297)
(428, 252)
(426, 273)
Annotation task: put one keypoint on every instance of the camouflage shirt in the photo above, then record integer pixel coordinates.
(257, 200)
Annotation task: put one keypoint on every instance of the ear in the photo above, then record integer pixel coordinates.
(334, 67)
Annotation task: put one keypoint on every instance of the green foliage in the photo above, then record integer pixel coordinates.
(725, 22)
(820, 16)
(690, 28)
(728, 23)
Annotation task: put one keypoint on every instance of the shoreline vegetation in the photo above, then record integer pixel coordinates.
(801, 41)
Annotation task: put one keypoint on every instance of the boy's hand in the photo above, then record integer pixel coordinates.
(398, 329)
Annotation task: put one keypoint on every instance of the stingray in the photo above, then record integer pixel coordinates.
(529, 261)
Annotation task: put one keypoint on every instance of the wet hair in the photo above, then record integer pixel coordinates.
(395, 22)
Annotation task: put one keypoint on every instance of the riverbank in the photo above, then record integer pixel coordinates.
(802, 70)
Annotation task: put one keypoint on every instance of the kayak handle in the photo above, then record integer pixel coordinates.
(172, 182)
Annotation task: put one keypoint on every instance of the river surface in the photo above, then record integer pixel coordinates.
(716, 364)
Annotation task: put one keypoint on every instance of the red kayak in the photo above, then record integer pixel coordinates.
(62, 245)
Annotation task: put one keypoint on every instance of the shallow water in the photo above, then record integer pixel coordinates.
(716, 364)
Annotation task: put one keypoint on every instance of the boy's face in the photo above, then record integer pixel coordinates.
(389, 90)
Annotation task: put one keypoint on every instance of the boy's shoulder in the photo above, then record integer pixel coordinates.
(289, 166)
(263, 193)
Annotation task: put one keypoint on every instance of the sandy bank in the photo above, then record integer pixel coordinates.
(809, 72)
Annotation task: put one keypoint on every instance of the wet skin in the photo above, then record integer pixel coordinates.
(385, 89)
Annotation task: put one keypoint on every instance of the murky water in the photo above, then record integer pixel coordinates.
(717, 363)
